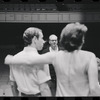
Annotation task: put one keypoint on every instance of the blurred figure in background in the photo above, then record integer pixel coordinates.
(53, 47)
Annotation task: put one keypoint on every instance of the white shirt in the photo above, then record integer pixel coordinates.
(28, 78)
(51, 50)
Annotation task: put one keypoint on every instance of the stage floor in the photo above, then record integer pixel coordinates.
(5, 88)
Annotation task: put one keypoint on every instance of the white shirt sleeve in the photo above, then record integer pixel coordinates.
(42, 76)
(46, 69)
(11, 76)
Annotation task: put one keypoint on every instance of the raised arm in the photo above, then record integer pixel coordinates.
(46, 58)
(93, 77)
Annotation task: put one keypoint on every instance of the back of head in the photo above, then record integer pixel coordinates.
(29, 33)
(72, 36)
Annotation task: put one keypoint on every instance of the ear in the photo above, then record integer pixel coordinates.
(34, 39)
(49, 42)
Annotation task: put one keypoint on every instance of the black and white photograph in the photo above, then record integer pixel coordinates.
(50, 48)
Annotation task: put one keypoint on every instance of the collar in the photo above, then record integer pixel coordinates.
(30, 49)
(51, 50)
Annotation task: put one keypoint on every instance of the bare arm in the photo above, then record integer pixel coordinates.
(14, 88)
(31, 59)
(93, 77)
(45, 90)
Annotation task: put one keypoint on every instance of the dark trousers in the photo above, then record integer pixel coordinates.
(52, 86)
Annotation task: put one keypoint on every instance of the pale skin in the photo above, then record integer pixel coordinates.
(39, 59)
(53, 42)
(48, 58)
(14, 88)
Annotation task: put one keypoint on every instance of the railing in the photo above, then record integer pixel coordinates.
(27, 7)
(49, 13)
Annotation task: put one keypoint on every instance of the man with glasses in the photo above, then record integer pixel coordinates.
(53, 42)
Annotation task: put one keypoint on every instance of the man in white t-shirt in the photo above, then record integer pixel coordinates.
(31, 81)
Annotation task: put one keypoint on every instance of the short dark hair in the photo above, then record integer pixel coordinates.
(72, 36)
(29, 33)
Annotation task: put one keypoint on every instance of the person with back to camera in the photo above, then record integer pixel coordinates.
(31, 81)
(76, 69)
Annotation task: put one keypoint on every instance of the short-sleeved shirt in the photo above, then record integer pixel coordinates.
(28, 78)
(11, 76)
(71, 71)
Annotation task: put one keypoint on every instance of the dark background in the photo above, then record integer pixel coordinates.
(11, 34)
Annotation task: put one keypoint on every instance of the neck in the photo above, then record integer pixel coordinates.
(54, 48)
(32, 46)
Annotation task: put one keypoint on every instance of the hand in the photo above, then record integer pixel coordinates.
(8, 59)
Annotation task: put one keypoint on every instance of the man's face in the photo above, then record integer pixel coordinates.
(40, 42)
(53, 41)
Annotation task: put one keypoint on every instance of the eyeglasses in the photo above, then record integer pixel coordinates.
(53, 40)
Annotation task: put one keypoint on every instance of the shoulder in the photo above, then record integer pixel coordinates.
(87, 54)
(19, 54)
(60, 48)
